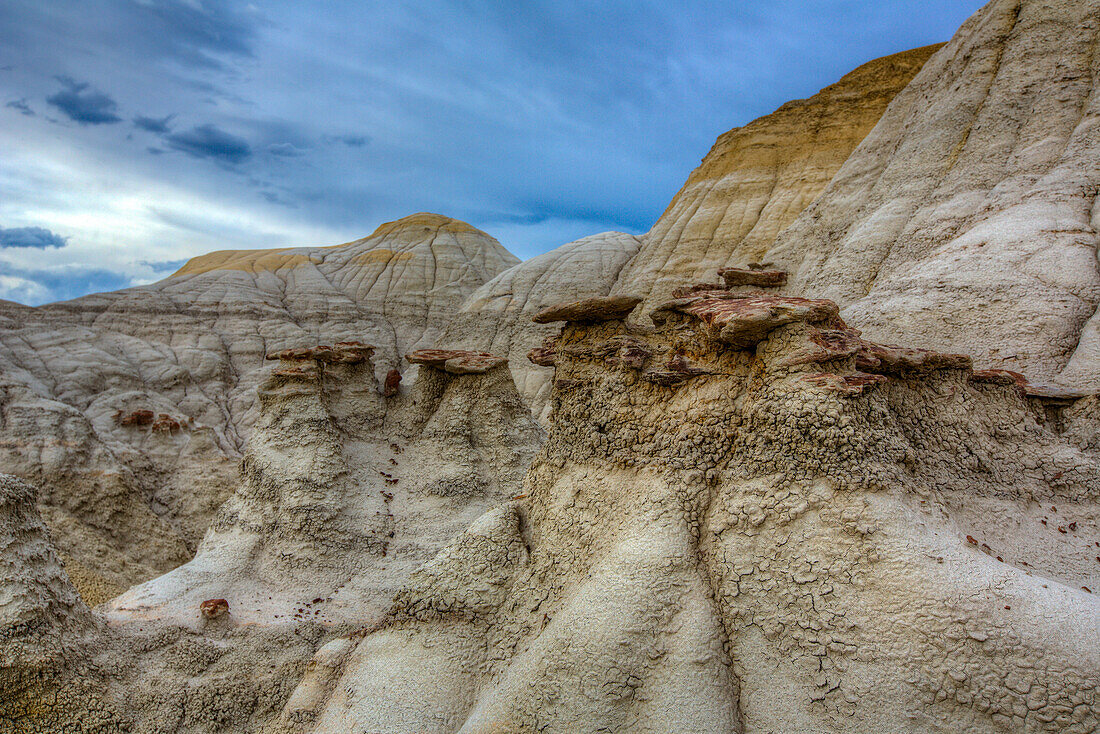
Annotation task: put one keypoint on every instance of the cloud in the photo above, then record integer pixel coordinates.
(352, 141)
(36, 237)
(22, 290)
(285, 150)
(21, 106)
(156, 125)
(83, 104)
(198, 33)
(210, 141)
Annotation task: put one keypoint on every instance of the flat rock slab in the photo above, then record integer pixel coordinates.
(1056, 392)
(339, 353)
(605, 308)
(903, 361)
(753, 276)
(457, 361)
(744, 322)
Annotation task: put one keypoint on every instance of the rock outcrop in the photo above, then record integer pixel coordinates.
(967, 219)
(758, 178)
(131, 409)
(497, 317)
(344, 491)
(808, 532)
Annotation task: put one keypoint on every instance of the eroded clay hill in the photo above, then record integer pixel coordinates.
(749, 518)
(758, 178)
(130, 410)
(967, 220)
(498, 316)
(349, 483)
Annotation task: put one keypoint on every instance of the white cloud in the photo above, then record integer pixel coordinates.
(22, 290)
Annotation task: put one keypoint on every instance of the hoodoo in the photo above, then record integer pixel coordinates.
(805, 532)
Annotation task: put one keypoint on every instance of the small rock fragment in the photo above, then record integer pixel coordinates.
(392, 384)
(214, 608)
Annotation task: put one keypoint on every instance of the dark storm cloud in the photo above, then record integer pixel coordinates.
(20, 106)
(156, 125)
(83, 104)
(210, 141)
(30, 237)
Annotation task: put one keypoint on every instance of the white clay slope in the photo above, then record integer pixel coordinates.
(126, 496)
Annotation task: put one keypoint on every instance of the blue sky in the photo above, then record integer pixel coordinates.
(135, 134)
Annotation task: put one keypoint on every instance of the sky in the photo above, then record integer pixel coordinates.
(135, 134)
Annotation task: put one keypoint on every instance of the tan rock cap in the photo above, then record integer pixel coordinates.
(350, 352)
(457, 361)
(605, 308)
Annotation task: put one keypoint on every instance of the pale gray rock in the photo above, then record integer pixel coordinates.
(773, 543)
(126, 502)
(967, 219)
(497, 317)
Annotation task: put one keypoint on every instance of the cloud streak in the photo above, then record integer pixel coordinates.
(84, 105)
(210, 142)
(35, 237)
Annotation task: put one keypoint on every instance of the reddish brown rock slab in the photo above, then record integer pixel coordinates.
(214, 608)
(542, 356)
(622, 350)
(1000, 377)
(545, 355)
(1050, 391)
(135, 418)
(457, 361)
(744, 322)
(824, 345)
(339, 353)
(604, 308)
(905, 362)
(753, 276)
(297, 372)
(166, 424)
(676, 370)
(847, 385)
(699, 289)
(392, 384)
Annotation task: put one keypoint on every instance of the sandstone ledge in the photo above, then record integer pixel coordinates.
(340, 353)
(606, 308)
(457, 361)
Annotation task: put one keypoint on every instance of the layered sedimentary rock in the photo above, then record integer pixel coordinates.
(968, 219)
(131, 409)
(805, 532)
(345, 491)
(44, 627)
(758, 178)
(497, 317)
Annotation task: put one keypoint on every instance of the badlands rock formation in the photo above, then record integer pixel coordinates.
(968, 219)
(750, 519)
(498, 316)
(130, 410)
(344, 492)
(758, 178)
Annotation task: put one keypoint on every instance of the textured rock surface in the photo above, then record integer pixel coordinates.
(766, 545)
(758, 178)
(497, 317)
(344, 492)
(589, 310)
(127, 499)
(967, 220)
